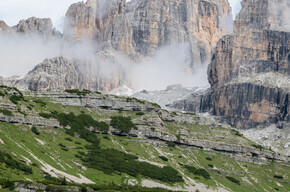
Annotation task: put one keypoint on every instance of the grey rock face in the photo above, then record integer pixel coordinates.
(53, 74)
(30, 120)
(100, 101)
(140, 28)
(35, 25)
(4, 27)
(249, 71)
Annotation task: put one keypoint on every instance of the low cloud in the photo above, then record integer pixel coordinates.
(169, 66)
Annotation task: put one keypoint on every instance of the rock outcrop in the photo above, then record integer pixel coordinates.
(140, 28)
(52, 74)
(33, 25)
(4, 26)
(249, 72)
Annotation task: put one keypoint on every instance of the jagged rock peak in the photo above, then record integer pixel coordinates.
(32, 25)
(3, 26)
(52, 74)
(42, 26)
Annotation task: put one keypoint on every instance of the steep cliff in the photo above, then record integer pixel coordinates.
(140, 28)
(256, 46)
(249, 73)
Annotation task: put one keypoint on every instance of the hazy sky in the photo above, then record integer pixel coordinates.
(11, 11)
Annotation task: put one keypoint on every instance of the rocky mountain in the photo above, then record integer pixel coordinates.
(140, 28)
(33, 25)
(124, 32)
(249, 72)
(52, 74)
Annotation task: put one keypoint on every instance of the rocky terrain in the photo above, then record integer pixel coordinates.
(249, 72)
(123, 33)
(39, 26)
(140, 28)
(35, 132)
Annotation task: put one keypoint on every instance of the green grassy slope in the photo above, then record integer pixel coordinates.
(56, 149)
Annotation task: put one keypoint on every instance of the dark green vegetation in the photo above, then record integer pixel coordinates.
(2, 94)
(78, 124)
(233, 180)
(258, 146)
(15, 99)
(112, 161)
(278, 176)
(170, 144)
(35, 130)
(41, 102)
(124, 124)
(208, 158)
(6, 112)
(198, 172)
(7, 184)
(140, 113)
(163, 158)
(10, 162)
(78, 92)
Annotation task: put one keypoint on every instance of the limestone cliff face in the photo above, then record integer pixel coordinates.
(255, 45)
(80, 22)
(139, 28)
(249, 73)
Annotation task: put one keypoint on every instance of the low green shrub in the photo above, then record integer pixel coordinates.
(2, 94)
(124, 124)
(41, 102)
(140, 113)
(68, 139)
(210, 165)
(64, 149)
(7, 184)
(233, 180)
(237, 133)
(6, 112)
(14, 164)
(170, 144)
(15, 99)
(61, 145)
(47, 115)
(199, 172)
(278, 177)
(258, 146)
(113, 161)
(208, 158)
(78, 92)
(35, 130)
(163, 158)
(20, 111)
